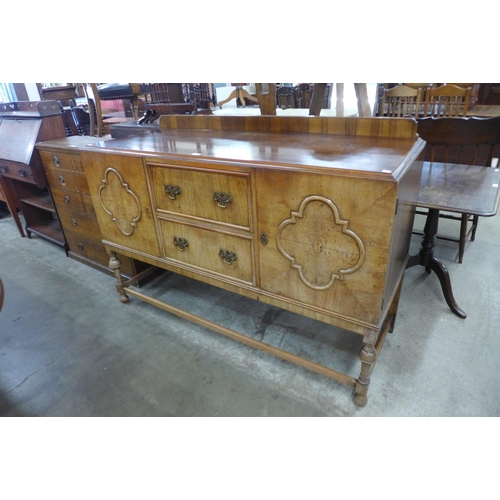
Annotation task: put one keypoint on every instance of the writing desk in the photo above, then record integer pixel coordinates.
(454, 188)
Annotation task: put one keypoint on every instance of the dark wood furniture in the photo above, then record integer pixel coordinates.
(456, 188)
(22, 124)
(310, 214)
(8, 196)
(62, 93)
(466, 141)
(75, 208)
(164, 98)
(489, 94)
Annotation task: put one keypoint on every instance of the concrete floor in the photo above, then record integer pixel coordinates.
(68, 347)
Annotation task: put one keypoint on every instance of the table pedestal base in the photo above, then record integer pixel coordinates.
(426, 258)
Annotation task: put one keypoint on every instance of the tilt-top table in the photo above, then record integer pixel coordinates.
(454, 188)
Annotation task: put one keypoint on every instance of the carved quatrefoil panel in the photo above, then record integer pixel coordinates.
(119, 201)
(319, 244)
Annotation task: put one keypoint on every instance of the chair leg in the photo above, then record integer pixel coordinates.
(463, 235)
(475, 220)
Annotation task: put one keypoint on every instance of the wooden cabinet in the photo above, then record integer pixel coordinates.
(21, 125)
(74, 205)
(312, 215)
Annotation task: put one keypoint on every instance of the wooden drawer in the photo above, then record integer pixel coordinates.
(57, 160)
(16, 171)
(94, 250)
(68, 199)
(196, 191)
(204, 247)
(80, 223)
(62, 180)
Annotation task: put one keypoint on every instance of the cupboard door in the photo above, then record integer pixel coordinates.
(327, 240)
(119, 189)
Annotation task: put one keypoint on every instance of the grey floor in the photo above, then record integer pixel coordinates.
(68, 347)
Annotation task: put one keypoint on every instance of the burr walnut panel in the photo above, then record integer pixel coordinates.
(121, 201)
(328, 240)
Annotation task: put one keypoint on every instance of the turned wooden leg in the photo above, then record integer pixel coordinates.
(115, 265)
(368, 356)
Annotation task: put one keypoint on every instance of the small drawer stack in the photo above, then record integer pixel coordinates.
(204, 218)
(68, 184)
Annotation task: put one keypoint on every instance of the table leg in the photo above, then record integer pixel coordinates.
(426, 258)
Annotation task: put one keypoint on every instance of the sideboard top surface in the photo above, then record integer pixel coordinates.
(357, 154)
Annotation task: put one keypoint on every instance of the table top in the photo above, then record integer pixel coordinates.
(459, 188)
(375, 157)
(484, 110)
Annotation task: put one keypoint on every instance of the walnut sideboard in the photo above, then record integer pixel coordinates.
(310, 214)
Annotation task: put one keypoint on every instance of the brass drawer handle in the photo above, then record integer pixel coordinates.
(61, 179)
(180, 243)
(73, 221)
(80, 246)
(22, 173)
(227, 256)
(56, 161)
(66, 199)
(172, 191)
(4, 169)
(222, 199)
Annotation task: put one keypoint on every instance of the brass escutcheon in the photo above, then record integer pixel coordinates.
(263, 238)
(66, 199)
(180, 243)
(222, 199)
(172, 191)
(56, 161)
(227, 256)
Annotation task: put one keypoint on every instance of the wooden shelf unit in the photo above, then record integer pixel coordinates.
(22, 124)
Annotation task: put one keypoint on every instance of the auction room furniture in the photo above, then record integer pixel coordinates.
(240, 94)
(94, 109)
(466, 141)
(70, 191)
(311, 214)
(401, 101)
(21, 125)
(446, 100)
(456, 188)
(8, 196)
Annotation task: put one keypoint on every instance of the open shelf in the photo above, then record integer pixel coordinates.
(42, 201)
(50, 230)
